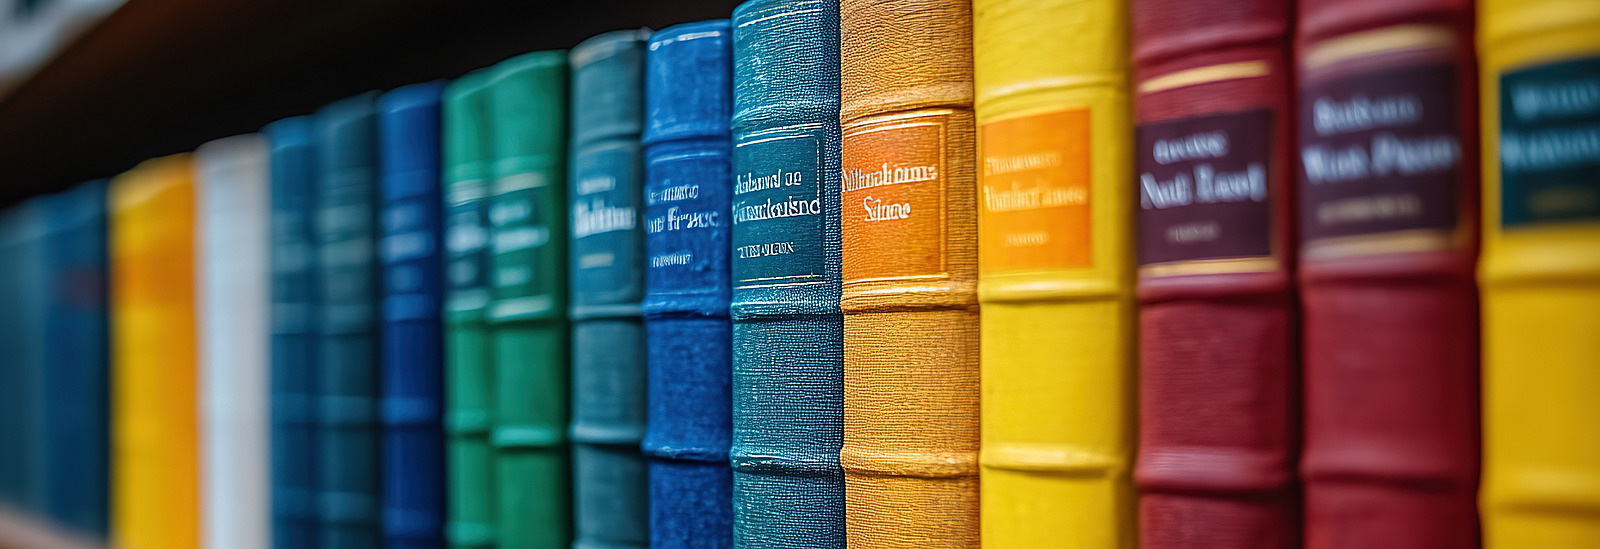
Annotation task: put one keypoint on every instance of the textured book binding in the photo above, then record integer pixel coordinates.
(610, 489)
(411, 249)
(688, 148)
(347, 284)
(1387, 192)
(910, 267)
(234, 294)
(294, 359)
(1055, 272)
(788, 387)
(527, 311)
(155, 478)
(468, 382)
(1217, 326)
(1541, 272)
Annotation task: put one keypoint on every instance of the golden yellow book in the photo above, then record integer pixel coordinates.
(1540, 272)
(155, 491)
(1055, 273)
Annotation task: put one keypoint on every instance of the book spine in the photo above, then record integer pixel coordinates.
(293, 259)
(1056, 254)
(10, 319)
(1387, 192)
(412, 409)
(688, 160)
(27, 355)
(232, 221)
(347, 376)
(788, 360)
(1218, 318)
(468, 377)
(1541, 264)
(527, 312)
(910, 261)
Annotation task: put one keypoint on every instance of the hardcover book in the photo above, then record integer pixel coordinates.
(788, 360)
(1218, 321)
(11, 320)
(527, 312)
(25, 236)
(610, 488)
(1055, 268)
(688, 147)
(1541, 260)
(232, 220)
(412, 407)
(910, 266)
(1388, 241)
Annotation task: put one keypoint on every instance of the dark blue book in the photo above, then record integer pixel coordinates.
(610, 488)
(11, 472)
(413, 338)
(349, 468)
(24, 238)
(77, 351)
(688, 155)
(293, 170)
(788, 360)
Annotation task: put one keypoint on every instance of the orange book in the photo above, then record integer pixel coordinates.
(910, 257)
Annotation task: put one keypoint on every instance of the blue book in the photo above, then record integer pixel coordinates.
(413, 338)
(77, 350)
(349, 468)
(788, 359)
(11, 473)
(26, 241)
(610, 489)
(293, 257)
(688, 154)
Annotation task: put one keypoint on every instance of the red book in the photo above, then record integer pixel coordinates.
(1388, 186)
(1218, 370)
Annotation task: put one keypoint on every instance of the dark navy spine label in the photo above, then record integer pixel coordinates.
(1550, 143)
(777, 211)
(606, 241)
(686, 219)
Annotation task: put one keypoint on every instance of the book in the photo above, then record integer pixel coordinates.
(24, 236)
(527, 313)
(347, 378)
(469, 383)
(155, 471)
(11, 320)
(412, 407)
(1387, 228)
(232, 221)
(788, 356)
(292, 171)
(1541, 254)
(1218, 316)
(910, 263)
(1055, 273)
(76, 339)
(610, 487)
(688, 154)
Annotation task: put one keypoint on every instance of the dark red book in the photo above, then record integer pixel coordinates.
(1388, 187)
(1217, 346)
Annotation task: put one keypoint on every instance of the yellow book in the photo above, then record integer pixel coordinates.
(155, 492)
(1055, 273)
(1540, 274)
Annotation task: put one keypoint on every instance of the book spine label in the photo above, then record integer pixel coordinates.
(1550, 144)
(777, 208)
(895, 194)
(468, 385)
(686, 220)
(1203, 188)
(1035, 191)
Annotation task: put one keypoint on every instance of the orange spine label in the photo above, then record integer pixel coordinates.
(1035, 192)
(894, 194)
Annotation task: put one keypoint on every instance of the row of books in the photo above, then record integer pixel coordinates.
(865, 273)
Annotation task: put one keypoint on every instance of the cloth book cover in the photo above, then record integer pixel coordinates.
(527, 312)
(909, 223)
(1388, 201)
(232, 218)
(468, 383)
(687, 147)
(347, 374)
(1541, 272)
(1218, 322)
(1055, 268)
(293, 341)
(156, 461)
(788, 356)
(610, 501)
(411, 251)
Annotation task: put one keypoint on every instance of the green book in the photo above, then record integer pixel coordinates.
(527, 315)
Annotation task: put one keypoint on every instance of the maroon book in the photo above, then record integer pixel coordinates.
(1388, 156)
(1218, 370)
